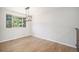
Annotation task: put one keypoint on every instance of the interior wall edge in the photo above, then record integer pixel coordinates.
(13, 39)
(41, 37)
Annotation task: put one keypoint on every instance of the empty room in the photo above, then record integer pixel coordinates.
(39, 29)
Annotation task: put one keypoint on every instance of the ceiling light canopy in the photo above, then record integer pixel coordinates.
(27, 8)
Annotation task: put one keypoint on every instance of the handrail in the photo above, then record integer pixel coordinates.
(76, 28)
(77, 41)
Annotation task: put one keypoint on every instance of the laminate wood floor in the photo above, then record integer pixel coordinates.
(33, 44)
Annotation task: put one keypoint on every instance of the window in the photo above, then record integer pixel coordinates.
(15, 21)
(8, 21)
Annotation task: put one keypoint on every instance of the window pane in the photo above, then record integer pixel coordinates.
(8, 21)
(24, 22)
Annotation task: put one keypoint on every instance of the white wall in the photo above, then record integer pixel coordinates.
(0, 23)
(56, 24)
(17, 9)
(13, 33)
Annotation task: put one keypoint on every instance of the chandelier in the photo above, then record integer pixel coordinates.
(28, 17)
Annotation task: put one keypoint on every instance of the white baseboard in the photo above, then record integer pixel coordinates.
(41, 38)
(54, 41)
(13, 38)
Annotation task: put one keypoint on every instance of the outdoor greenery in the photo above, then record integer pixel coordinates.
(15, 21)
